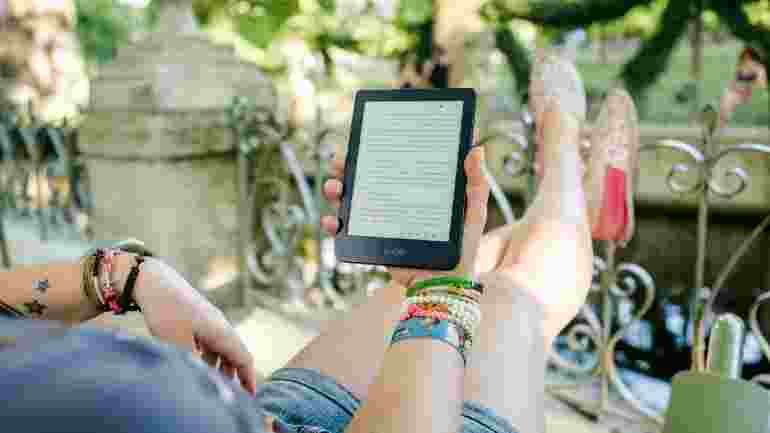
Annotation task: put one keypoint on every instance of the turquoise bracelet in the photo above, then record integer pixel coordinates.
(441, 330)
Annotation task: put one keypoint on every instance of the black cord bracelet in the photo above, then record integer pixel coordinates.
(126, 300)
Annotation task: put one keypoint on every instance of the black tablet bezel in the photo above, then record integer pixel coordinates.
(406, 252)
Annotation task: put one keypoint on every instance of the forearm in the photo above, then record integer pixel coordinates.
(51, 292)
(364, 334)
(419, 390)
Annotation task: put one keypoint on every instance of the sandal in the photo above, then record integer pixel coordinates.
(554, 79)
(613, 168)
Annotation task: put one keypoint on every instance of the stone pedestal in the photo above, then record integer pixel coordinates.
(161, 158)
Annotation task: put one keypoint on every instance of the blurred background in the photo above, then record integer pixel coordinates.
(205, 128)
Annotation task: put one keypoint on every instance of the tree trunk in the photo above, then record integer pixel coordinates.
(453, 21)
(652, 58)
(41, 67)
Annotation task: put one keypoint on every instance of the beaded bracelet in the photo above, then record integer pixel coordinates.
(468, 295)
(109, 293)
(468, 306)
(451, 283)
(465, 315)
(441, 330)
(443, 312)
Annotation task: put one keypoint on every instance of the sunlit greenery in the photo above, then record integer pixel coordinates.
(260, 30)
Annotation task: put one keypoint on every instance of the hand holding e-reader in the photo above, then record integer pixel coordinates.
(404, 187)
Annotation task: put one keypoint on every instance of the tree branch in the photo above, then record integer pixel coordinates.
(570, 15)
(517, 56)
(652, 58)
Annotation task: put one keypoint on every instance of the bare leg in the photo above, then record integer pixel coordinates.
(548, 252)
(511, 342)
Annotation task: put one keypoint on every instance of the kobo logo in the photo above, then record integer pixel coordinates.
(395, 252)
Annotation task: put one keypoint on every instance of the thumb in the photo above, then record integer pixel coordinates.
(477, 196)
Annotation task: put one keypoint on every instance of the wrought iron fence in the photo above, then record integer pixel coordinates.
(285, 210)
(287, 254)
(41, 177)
(599, 328)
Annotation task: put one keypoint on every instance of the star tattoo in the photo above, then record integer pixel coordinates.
(35, 307)
(42, 285)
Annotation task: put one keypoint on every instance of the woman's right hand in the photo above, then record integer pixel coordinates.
(477, 195)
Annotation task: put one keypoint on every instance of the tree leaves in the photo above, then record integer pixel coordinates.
(414, 12)
(101, 26)
(258, 21)
(328, 6)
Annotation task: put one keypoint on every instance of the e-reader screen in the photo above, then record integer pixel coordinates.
(406, 170)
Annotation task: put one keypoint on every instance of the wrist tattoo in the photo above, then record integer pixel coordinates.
(42, 285)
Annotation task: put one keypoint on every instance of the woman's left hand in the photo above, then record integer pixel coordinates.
(176, 313)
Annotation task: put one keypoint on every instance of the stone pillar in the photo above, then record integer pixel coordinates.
(161, 158)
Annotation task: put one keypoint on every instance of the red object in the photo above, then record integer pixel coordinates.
(614, 215)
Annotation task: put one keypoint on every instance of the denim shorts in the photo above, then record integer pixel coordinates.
(97, 381)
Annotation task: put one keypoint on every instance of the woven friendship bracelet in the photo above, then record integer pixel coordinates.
(441, 330)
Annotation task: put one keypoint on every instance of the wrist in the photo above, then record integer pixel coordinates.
(513, 294)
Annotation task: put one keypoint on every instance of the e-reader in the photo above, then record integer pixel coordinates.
(403, 201)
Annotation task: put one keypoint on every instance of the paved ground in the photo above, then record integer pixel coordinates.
(272, 338)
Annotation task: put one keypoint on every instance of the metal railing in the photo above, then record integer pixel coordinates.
(599, 329)
(287, 254)
(282, 204)
(41, 177)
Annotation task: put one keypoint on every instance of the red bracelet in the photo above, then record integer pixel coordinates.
(109, 294)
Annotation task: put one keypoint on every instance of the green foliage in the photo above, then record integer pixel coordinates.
(105, 25)
(258, 21)
(414, 13)
(102, 26)
(568, 15)
(328, 6)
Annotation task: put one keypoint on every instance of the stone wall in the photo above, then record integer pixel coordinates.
(161, 157)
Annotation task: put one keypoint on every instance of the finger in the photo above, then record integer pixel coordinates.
(330, 224)
(248, 376)
(197, 345)
(477, 195)
(333, 191)
(211, 358)
(227, 369)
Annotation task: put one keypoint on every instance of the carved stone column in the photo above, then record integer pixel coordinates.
(161, 157)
